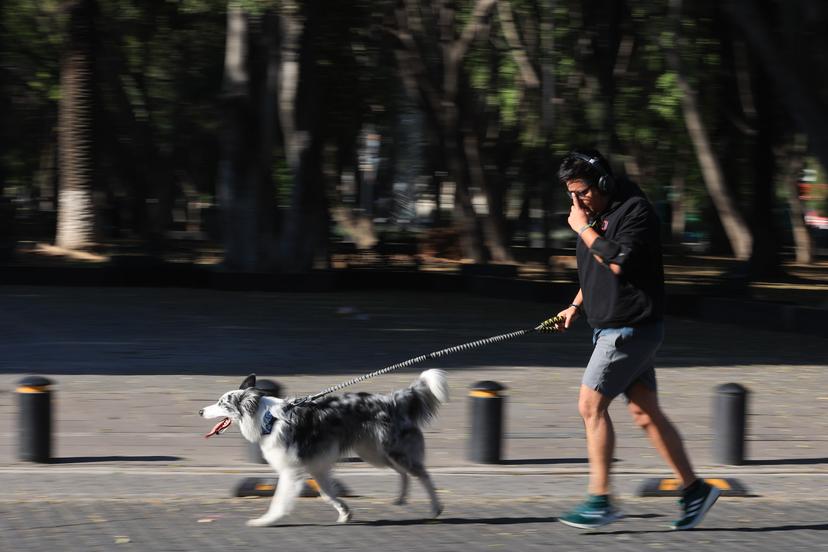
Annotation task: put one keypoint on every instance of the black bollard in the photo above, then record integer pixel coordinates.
(729, 411)
(486, 422)
(272, 389)
(35, 419)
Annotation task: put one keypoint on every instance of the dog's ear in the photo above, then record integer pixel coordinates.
(249, 381)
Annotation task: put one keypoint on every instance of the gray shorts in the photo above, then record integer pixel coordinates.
(622, 357)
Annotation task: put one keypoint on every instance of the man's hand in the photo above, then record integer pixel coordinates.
(569, 315)
(578, 215)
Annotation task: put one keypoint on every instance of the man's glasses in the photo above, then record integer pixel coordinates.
(581, 193)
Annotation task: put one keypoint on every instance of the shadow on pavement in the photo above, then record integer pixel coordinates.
(460, 521)
(481, 521)
(810, 527)
(125, 331)
(86, 459)
(529, 461)
(786, 461)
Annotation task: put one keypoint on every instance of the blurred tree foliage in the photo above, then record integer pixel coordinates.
(282, 128)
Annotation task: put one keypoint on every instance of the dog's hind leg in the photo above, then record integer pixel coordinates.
(416, 468)
(419, 471)
(287, 489)
(407, 457)
(403, 496)
(327, 490)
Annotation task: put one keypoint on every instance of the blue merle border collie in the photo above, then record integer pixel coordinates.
(383, 430)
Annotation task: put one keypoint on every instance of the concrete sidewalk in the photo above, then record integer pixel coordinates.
(132, 367)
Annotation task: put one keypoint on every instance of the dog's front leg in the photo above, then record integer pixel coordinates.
(327, 490)
(287, 489)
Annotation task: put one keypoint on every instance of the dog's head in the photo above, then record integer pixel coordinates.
(233, 406)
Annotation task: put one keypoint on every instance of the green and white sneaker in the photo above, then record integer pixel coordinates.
(595, 512)
(695, 504)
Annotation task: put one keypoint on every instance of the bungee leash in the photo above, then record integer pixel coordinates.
(545, 326)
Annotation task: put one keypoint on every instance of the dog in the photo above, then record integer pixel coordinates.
(383, 430)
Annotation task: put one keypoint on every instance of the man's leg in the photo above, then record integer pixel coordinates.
(648, 416)
(597, 510)
(600, 436)
(698, 496)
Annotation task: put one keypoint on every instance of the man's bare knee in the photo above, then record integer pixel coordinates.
(641, 418)
(591, 410)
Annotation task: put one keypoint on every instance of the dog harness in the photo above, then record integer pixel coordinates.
(267, 423)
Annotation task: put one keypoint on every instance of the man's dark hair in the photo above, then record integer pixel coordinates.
(575, 167)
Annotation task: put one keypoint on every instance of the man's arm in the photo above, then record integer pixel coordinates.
(633, 232)
(570, 313)
(590, 236)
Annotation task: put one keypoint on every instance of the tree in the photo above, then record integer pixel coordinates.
(76, 213)
(732, 220)
(245, 185)
(435, 76)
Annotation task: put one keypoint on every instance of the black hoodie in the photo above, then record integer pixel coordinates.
(629, 232)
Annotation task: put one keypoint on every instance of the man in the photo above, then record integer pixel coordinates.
(622, 296)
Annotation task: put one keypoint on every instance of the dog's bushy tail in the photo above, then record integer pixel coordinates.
(429, 390)
(435, 381)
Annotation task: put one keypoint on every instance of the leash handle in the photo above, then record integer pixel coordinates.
(545, 326)
(549, 324)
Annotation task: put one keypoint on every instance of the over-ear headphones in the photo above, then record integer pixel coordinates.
(606, 183)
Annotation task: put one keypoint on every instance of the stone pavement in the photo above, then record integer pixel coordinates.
(132, 366)
(507, 524)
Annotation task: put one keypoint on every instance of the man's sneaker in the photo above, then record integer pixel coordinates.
(595, 512)
(695, 504)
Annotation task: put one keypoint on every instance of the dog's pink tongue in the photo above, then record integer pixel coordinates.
(219, 427)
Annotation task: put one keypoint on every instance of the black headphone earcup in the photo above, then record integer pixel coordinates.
(606, 184)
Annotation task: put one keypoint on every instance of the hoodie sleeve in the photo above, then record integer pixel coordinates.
(632, 237)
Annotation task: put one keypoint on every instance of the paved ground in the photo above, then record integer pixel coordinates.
(132, 366)
(518, 524)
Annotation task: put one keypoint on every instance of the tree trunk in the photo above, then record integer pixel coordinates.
(304, 236)
(764, 259)
(800, 100)
(803, 243)
(245, 184)
(735, 227)
(76, 154)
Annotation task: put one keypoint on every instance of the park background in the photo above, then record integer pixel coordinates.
(281, 137)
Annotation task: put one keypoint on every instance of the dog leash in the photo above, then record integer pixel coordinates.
(545, 326)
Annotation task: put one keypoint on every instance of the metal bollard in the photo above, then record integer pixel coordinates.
(35, 419)
(273, 389)
(486, 422)
(729, 411)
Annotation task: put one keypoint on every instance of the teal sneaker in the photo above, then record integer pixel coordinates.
(595, 512)
(695, 504)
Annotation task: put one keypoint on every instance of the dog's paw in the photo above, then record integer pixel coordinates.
(402, 501)
(260, 522)
(345, 517)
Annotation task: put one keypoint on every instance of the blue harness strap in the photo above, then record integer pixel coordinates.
(267, 423)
